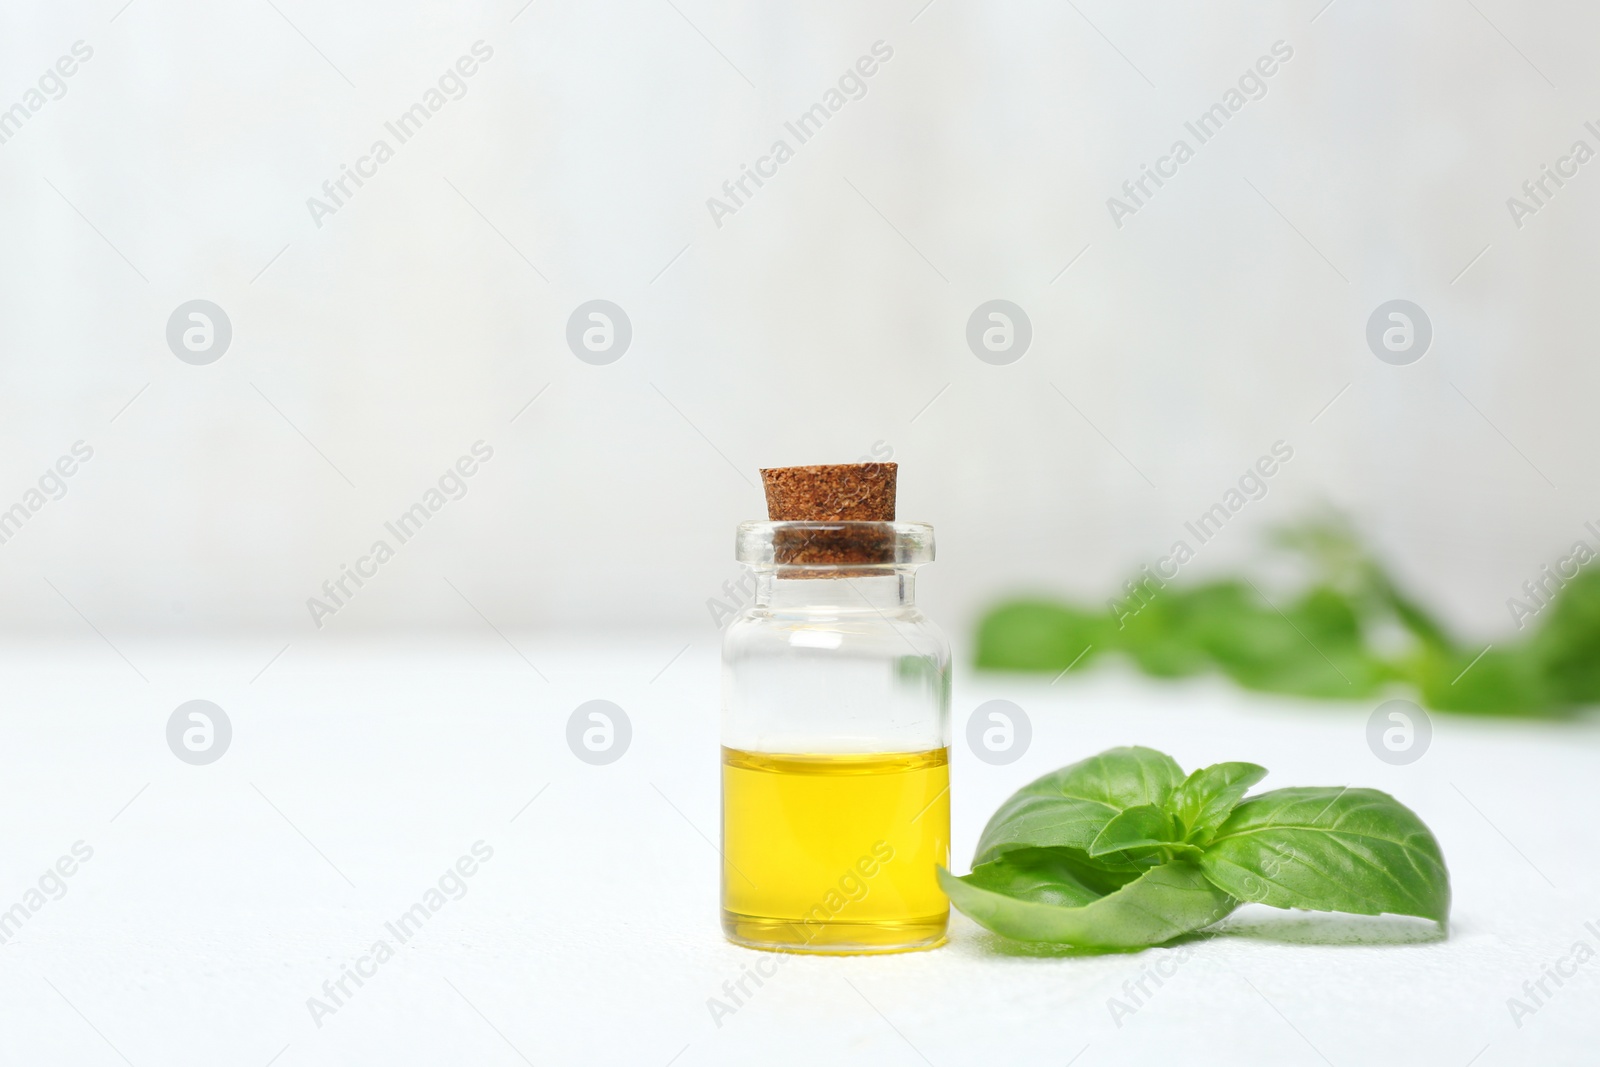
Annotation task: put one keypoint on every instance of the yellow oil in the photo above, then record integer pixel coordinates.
(835, 853)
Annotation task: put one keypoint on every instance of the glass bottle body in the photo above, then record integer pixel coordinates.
(835, 760)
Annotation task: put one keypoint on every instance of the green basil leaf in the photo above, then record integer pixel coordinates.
(1069, 807)
(1034, 635)
(1565, 644)
(1327, 849)
(1053, 876)
(1141, 828)
(1204, 799)
(1036, 895)
(1502, 681)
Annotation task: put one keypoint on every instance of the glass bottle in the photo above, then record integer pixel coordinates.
(835, 743)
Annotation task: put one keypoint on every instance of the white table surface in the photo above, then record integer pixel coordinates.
(223, 896)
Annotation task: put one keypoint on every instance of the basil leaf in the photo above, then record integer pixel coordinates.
(1313, 648)
(1565, 644)
(1502, 680)
(1204, 799)
(1069, 807)
(1033, 635)
(1326, 849)
(1145, 829)
(1041, 876)
(1036, 895)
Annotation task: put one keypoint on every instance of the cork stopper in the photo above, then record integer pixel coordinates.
(854, 494)
(838, 492)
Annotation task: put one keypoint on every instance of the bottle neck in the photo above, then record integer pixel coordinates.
(840, 590)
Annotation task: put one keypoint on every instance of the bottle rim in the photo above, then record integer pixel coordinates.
(827, 545)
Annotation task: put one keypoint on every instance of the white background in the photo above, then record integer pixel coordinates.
(820, 319)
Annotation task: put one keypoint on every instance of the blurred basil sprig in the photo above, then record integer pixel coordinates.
(1350, 633)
